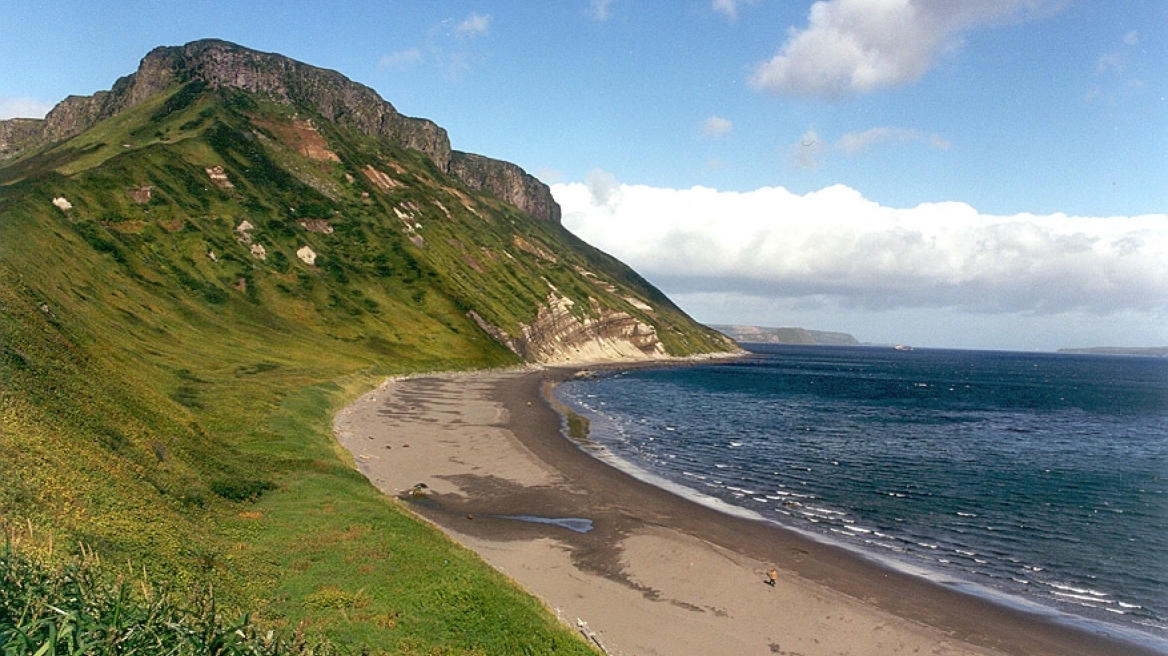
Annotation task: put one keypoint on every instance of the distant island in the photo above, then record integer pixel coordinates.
(1144, 351)
(764, 335)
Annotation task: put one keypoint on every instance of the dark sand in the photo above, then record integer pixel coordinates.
(658, 573)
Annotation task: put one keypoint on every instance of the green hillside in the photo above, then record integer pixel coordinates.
(191, 287)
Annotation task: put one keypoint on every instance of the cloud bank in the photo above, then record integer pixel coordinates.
(835, 244)
(857, 46)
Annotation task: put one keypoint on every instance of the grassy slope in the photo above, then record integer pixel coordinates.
(173, 411)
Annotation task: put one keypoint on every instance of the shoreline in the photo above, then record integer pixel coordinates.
(657, 572)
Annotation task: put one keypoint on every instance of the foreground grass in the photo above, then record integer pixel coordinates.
(76, 608)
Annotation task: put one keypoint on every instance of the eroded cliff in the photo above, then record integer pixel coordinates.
(600, 334)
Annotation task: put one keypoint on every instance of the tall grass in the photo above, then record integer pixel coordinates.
(75, 607)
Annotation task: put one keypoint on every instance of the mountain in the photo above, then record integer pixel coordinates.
(763, 335)
(213, 64)
(200, 265)
(294, 150)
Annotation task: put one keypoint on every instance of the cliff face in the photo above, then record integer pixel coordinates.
(219, 64)
(558, 336)
(18, 134)
(507, 181)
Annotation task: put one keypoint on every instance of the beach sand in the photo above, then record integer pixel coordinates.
(657, 573)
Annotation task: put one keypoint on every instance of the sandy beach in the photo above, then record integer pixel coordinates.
(656, 573)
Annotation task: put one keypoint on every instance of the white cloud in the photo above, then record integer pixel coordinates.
(602, 188)
(599, 9)
(1110, 63)
(858, 46)
(400, 58)
(474, 25)
(1131, 38)
(855, 142)
(11, 107)
(835, 246)
(549, 175)
(808, 152)
(730, 7)
(716, 126)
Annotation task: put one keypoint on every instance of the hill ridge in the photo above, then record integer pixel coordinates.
(219, 64)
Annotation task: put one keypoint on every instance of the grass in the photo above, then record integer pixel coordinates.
(172, 410)
(76, 607)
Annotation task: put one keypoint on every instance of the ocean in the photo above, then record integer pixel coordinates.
(1038, 479)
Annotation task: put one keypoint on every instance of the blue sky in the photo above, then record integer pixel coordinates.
(980, 174)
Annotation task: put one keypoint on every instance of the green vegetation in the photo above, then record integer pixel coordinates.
(76, 608)
(169, 369)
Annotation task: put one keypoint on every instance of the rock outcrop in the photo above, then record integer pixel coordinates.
(507, 181)
(17, 134)
(218, 64)
(559, 336)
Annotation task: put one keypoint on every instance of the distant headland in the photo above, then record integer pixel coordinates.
(764, 335)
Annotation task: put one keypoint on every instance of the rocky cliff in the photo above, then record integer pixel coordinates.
(559, 336)
(506, 181)
(219, 64)
(19, 134)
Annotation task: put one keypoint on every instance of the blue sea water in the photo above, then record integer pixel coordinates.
(1042, 477)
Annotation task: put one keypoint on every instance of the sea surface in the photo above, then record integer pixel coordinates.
(1038, 479)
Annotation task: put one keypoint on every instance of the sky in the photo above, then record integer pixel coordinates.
(987, 174)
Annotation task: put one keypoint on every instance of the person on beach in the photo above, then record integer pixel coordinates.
(772, 576)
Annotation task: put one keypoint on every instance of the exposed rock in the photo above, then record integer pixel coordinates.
(506, 181)
(307, 141)
(382, 180)
(534, 249)
(638, 303)
(243, 232)
(259, 252)
(219, 177)
(558, 336)
(62, 203)
(17, 134)
(141, 195)
(317, 225)
(306, 255)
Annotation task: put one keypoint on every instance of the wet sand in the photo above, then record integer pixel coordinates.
(657, 573)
